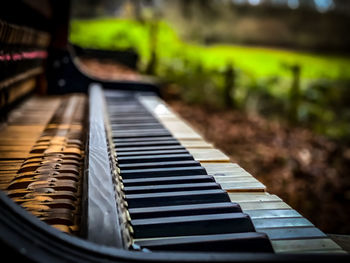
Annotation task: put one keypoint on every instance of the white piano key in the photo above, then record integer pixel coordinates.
(262, 223)
(305, 245)
(195, 144)
(253, 197)
(235, 179)
(293, 233)
(243, 187)
(272, 213)
(209, 155)
(264, 205)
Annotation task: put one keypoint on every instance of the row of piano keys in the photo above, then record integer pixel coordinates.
(288, 231)
(172, 203)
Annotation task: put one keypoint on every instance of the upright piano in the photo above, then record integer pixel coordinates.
(102, 171)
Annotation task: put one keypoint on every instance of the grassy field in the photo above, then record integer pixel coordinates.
(107, 33)
(263, 75)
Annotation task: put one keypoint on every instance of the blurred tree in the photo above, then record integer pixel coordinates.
(137, 9)
(93, 8)
(342, 6)
(185, 7)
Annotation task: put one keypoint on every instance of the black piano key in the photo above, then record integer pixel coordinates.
(132, 103)
(234, 242)
(128, 111)
(192, 225)
(170, 188)
(141, 131)
(149, 153)
(128, 134)
(129, 119)
(138, 120)
(121, 121)
(133, 129)
(137, 125)
(154, 158)
(139, 116)
(137, 109)
(177, 198)
(169, 180)
(155, 172)
(146, 144)
(184, 210)
(171, 164)
(132, 106)
(150, 149)
(144, 139)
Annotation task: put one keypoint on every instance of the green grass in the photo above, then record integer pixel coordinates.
(263, 81)
(108, 33)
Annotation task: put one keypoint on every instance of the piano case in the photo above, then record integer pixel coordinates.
(98, 171)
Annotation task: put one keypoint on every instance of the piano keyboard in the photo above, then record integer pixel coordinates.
(173, 204)
(288, 231)
(173, 190)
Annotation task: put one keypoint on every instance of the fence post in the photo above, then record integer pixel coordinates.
(294, 94)
(153, 37)
(229, 86)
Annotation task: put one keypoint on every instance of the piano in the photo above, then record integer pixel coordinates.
(102, 171)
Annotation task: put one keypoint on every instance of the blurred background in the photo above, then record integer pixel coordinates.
(268, 81)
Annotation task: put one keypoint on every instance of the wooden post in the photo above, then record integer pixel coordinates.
(229, 86)
(153, 37)
(294, 94)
